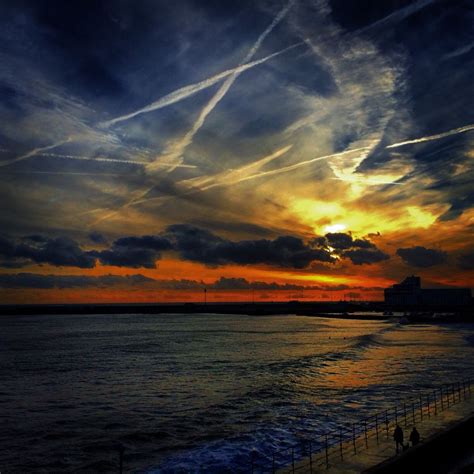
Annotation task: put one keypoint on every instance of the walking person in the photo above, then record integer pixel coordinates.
(414, 436)
(398, 437)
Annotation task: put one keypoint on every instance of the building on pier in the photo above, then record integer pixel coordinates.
(410, 293)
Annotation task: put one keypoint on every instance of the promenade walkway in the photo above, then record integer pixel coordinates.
(373, 450)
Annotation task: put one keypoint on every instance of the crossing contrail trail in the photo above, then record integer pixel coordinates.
(300, 164)
(174, 151)
(230, 177)
(225, 181)
(428, 138)
(33, 152)
(190, 90)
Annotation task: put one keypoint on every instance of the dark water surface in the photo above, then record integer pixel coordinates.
(199, 392)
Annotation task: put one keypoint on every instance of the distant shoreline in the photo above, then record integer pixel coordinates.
(341, 310)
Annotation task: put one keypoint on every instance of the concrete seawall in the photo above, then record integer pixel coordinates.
(447, 444)
(452, 450)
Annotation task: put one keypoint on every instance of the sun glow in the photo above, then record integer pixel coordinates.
(335, 228)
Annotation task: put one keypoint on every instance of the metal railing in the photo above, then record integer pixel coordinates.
(325, 450)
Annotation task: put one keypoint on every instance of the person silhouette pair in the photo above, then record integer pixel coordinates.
(398, 438)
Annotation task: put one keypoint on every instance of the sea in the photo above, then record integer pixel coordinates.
(202, 392)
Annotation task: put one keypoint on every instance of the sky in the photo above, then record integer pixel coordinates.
(264, 149)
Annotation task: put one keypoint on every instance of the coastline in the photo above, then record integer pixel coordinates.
(341, 310)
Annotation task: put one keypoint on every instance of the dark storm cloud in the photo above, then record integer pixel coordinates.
(365, 256)
(199, 245)
(33, 280)
(190, 243)
(38, 281)
(232, 227)
(422, 257)
(341, 241)
(134, 252)
(359, 251)
(59, 251)
(97, 238)
(466, 261)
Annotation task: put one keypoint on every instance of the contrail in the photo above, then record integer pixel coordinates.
(237, 180)
(228, 178)
(177, 149)
(458, 52)
(455, 131)
(398, 15)
(63, 173)
(102, 159)
(110, 160)
(190, 90)
(137, 196)
(33, 152)
(300, 164)
(368, 181)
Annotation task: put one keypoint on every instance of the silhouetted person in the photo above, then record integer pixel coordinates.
(398, 437)
(414, 436)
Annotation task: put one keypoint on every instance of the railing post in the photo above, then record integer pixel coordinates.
(326, 449)
(365, 431)
(428, 401)
(421, 408)
(377, 427)
(121, 449)
(405, 413)
(354, 438)
(310, 459)
(386, 422)
(340, 443)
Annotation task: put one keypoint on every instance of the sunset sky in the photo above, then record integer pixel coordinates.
(260, 149)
